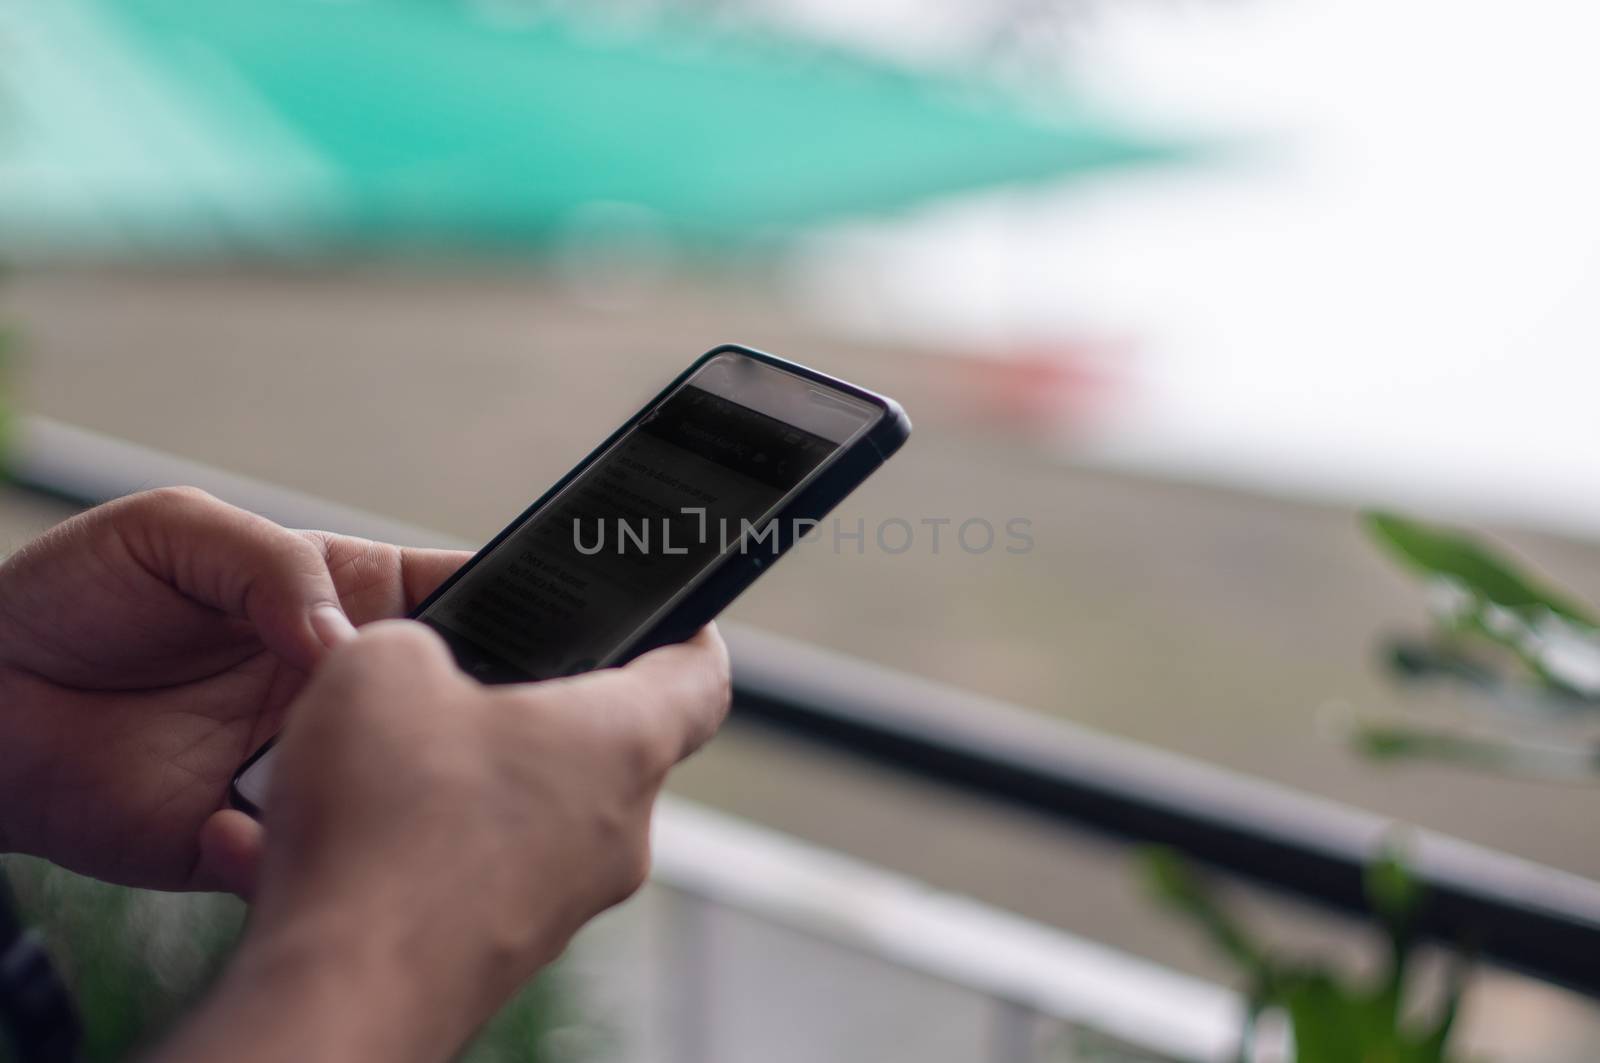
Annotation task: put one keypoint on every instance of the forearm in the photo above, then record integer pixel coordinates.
(320, 994)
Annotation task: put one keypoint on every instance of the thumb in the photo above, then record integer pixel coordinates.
(239, 563)
(230, 854)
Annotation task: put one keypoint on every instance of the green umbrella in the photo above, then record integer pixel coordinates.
(302, 125)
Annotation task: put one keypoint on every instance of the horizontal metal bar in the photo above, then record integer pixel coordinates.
(1031, 968)
(1534, 918)
(89, 467)
(1531, 917)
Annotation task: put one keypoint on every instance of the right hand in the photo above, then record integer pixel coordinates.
(456, 835)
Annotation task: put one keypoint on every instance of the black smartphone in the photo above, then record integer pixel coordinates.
(659, 528)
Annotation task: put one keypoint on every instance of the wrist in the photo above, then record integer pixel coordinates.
(418, 947)
(383, 996)
(315, 988)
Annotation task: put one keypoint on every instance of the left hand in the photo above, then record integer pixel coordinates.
(150, 645)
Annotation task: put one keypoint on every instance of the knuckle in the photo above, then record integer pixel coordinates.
(174, 497)
(717, 678)
(721, 684)
(646, 745)
(643, 760)
(717, 648)
(303, 549)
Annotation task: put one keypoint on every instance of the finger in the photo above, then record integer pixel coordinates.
(423, 570)
(377, 581)
(239, 563)
(230, 854)
(679, 693)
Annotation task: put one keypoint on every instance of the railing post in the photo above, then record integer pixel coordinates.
(686, 977)
(1013, 1033)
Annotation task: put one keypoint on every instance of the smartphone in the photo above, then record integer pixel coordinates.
(659, 528)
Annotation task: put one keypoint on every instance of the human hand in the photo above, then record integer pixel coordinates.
(431, 841)
(147, 647)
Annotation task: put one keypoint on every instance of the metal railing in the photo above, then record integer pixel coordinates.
(1529, 917)
(1029, 972)
(1536, 919)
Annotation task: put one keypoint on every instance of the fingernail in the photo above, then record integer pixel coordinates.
(331, 625)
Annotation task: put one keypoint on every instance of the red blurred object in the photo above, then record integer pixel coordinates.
(1038, 389)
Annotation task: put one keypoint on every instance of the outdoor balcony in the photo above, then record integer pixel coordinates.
(1189, 367)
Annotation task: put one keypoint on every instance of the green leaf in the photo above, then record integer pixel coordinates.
(1338, 1022)
(1574, 761)
(1174, 883)
(1434, 1040)
(1335, 1019)
(1327, 1020)
(1401, 741)
(1412, 659)
(1447, 554)
(1392, 891)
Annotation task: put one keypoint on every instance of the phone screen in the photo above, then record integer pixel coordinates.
(567, 590)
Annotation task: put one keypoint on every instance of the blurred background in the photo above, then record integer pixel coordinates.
(1184, 285)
